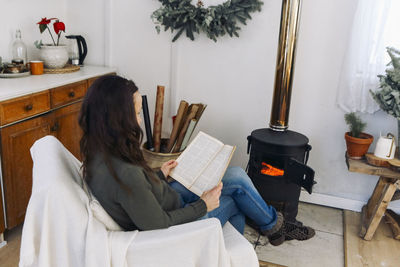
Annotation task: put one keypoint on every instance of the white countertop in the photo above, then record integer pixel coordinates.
(15, 87)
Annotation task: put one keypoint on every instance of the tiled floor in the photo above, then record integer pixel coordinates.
(324, 249)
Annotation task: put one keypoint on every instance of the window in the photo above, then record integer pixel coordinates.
(376, 26)
(392, 29)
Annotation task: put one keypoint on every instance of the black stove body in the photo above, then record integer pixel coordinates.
(277, 167)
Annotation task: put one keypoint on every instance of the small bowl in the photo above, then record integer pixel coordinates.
(14, 68)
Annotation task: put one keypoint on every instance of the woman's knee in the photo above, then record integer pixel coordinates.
(236, 175)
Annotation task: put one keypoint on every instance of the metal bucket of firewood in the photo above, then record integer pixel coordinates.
(156, 159)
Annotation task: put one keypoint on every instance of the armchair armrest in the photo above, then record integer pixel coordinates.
(201, 243)
(198, 243)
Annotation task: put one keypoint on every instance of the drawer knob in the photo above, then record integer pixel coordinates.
(71, 94)
(55, 127)
(29, 107)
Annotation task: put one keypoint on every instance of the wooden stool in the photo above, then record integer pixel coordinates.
(373, 212)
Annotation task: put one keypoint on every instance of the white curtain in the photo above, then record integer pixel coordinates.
(364, 58)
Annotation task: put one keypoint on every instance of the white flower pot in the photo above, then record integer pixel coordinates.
(54, 57)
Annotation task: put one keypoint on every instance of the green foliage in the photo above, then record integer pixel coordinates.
(388, 97)
(215, 21)
(38, 44)
(42, 27)
(355, 123)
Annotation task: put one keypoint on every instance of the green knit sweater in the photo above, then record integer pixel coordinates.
(146, 205)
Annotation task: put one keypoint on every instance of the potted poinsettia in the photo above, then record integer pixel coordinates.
(357, 141)
(54, 55)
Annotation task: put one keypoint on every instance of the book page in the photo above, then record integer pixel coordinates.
(214, 172)
(191, 163)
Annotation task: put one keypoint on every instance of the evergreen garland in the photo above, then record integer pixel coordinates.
(215, 21)
(388, 97)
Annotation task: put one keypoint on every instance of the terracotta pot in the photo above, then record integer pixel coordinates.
(358, 147)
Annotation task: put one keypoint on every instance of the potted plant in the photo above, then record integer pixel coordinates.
(388, 96)
(357, 141)
(54, 55)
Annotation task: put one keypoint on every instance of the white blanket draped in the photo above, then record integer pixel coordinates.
(60, 229)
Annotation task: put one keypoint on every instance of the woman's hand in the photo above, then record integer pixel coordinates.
(168, 166)
(211, 197)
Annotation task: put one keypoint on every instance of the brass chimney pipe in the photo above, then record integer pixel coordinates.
(284, 73)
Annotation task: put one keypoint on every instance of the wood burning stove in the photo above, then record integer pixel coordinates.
(277, 167)
(278, 156)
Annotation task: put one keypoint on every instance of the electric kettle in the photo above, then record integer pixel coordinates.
(77, 49)
(385, 147)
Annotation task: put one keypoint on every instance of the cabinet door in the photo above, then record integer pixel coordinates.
(68, 131)
(17, 164)
(2, 226)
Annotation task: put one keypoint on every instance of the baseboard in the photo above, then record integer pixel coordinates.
(337, 202)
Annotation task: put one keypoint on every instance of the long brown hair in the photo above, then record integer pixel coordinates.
(109, 124)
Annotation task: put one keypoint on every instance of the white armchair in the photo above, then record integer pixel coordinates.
(61, 230)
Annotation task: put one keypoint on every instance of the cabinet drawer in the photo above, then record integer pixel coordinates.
(68, 93)
(23, 107)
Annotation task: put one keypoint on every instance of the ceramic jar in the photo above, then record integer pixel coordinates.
(54, 57)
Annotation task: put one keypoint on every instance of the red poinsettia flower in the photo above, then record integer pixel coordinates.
(59, 26)
(45, 21)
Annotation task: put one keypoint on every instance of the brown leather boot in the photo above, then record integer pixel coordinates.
(296, 230)
(276, 235)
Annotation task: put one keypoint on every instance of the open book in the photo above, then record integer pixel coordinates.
(203, 163)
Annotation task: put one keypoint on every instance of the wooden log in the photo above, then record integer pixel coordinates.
(379, 209)
(393, 220)
(158, 114)
(361, 166)
(199, 113)
(179, 121)
(182, 133)
(373, 200)
(376, 161)
(147, 124)
(188, 134)
(394, 164)
(396, 195)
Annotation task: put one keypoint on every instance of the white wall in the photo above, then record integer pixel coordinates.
(23, 15)
(88, 18)
(139, 52)
(121, 34)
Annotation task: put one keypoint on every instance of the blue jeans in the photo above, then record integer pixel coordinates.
(239, 198)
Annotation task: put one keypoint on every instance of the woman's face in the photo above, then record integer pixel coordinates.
(137, 101)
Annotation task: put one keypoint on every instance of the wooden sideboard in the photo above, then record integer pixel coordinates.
(25, 119)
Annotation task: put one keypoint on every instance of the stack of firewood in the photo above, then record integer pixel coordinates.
(185, 122)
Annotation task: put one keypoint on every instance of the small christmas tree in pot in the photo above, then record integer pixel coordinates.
(357, 141)
(388, 96)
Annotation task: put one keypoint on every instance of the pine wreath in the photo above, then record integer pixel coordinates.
(215, 21)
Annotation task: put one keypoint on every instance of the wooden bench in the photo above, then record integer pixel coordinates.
(373, 212)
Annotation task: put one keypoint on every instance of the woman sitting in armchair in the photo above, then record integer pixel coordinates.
(133, 194)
